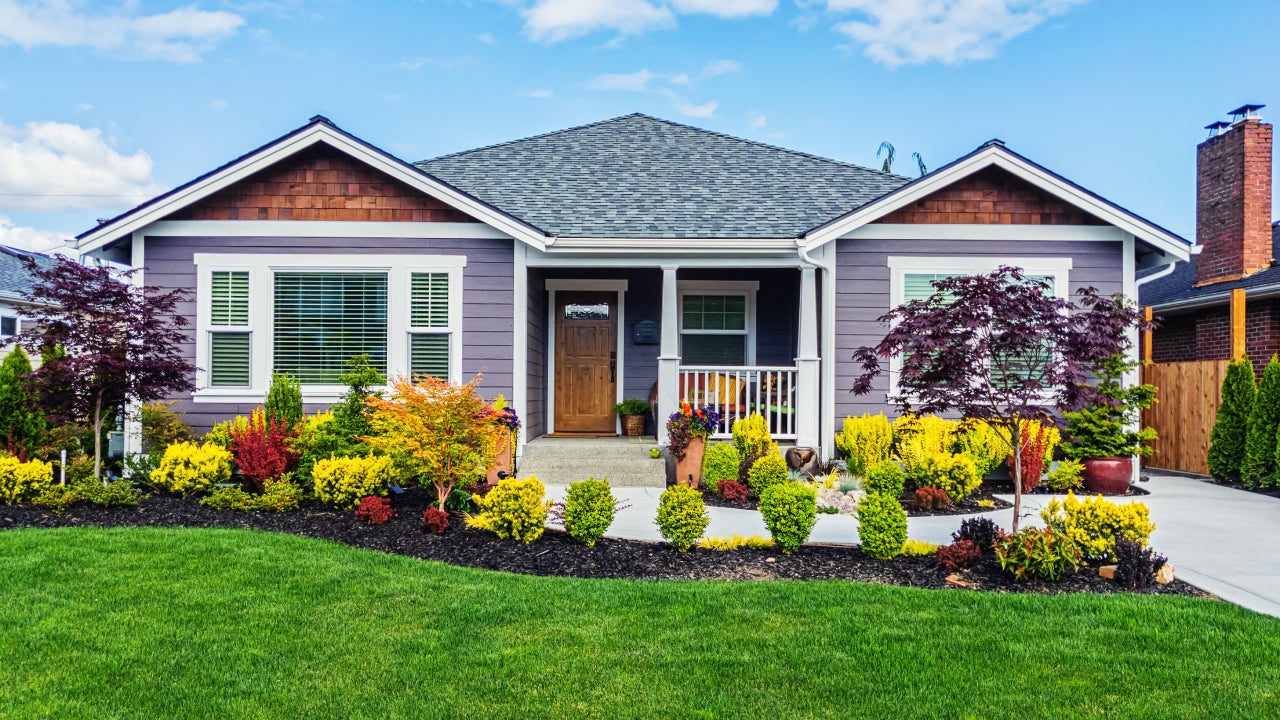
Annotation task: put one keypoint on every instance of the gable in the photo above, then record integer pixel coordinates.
(990, 196)
(321, 183)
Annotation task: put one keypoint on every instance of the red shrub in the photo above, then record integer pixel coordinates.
(263, 450)
(375, 510)
(931, 498)
(435, 520)
(733, 490)
(958, 555)
(1032, 459)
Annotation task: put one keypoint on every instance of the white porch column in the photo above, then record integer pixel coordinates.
(808, 401)
(669, 353)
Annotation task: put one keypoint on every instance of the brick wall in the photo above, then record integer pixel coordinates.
(1233, 202)
(321, 183)
(991, 197)
(1206, 335)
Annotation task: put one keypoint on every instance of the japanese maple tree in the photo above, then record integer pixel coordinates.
(999, 347)
(108, 342)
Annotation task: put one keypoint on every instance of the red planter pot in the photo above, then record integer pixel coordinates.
(1108, 475)
(691, 465)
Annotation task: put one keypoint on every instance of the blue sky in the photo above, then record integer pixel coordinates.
(102, 104)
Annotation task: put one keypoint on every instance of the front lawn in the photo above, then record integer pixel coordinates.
(167, 623)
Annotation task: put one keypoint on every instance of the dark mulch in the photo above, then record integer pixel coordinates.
(556, 554)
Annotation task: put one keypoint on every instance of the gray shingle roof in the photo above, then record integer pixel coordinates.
(639, 176)
(1179, 285)
(14, 278)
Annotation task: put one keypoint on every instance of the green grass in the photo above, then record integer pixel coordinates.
(238, 624)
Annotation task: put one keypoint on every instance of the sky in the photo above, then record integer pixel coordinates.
(105, 104)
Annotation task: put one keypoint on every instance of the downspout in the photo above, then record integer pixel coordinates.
(826, 346)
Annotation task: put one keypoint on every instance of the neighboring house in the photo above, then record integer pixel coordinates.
(574, 269)
(1238, 246)
(15, 281)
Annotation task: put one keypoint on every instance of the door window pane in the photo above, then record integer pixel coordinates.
(586, 311)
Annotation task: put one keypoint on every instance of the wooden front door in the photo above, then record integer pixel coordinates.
(586, 362)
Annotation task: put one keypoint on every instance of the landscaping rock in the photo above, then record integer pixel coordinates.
(954, 579)
(1108, 572)
(1164, 575)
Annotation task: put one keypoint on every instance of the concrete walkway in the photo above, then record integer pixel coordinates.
(1221, 540)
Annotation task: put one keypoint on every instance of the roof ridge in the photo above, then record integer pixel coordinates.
(530, 137)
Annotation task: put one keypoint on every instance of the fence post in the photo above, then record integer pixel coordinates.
(1237, 323)
(1146, 336)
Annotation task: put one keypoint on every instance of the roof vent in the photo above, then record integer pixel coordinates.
(103, 221)
(1216, 128)
(1246, 112)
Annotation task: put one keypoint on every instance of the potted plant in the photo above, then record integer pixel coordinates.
(1101, 432)
(632, 412)
(688, 429)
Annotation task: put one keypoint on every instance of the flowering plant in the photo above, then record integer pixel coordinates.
(688, 423)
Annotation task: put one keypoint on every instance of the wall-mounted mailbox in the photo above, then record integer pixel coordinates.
(645, 332)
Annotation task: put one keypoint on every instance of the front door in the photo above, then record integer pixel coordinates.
(586, 362)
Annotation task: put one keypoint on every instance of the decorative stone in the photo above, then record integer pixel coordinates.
(1165, 575)
(769, 559)
(1108, 572)
(954, 579)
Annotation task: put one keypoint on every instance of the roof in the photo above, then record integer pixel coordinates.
(15, 279)
(1179, 286)
(642, 177)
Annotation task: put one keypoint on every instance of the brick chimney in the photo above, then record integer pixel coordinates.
(1233, 198)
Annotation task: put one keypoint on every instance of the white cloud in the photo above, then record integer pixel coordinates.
(912, 32)
(535, 93)
(759, 121)
(180, 35)
(486, 38)
(58, 166)
(685, 107)
(29, 238)
(628, 82)
(419, 63)
(717, 68)
(556, 20)
(726, 8)
(680, 79)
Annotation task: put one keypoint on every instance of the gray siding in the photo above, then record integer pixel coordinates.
(862, 294)
(487, 297)
(535, 418)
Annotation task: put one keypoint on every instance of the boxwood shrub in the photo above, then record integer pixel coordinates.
(789, 510)
(588, 510)
(882, 525)
(682, 516)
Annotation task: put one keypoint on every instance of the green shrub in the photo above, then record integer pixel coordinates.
(1094, 524)
(789, 510)
(515, 510)
(752, 440)
(766, 472)
(119, 493)
(1041, 553)
(23, 481)
(682, 516)
(1259, 466)
(161, 426)
(22, 423)
(984, 444)
(887, 478)
(187, 468)
(319, 437)
(281, 495)
(720, 463)
(865, 442)
(55, 499)
(588, 510)
(228, 498)
(1231, 428)
(882, 526)
(284, 400)
(955, 475)
(220, 434)
(1067, 476)
(631, 406)
(343, 481)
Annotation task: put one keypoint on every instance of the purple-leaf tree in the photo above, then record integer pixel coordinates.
(999, 347)
(106, 342)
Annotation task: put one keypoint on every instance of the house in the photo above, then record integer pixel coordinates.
(15, 282)
(1238, 246)
(624, 258)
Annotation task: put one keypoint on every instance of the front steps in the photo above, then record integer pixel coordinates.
(623, 461)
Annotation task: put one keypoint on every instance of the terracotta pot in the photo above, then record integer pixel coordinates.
(633, 425)
(502, 460)
(1108, 475)
(691, 465)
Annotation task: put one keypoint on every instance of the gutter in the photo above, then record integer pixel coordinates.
(1220, 298)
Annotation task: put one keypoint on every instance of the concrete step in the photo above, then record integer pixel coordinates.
(624, 462)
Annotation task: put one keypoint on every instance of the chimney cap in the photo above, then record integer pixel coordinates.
(1246, 112)
(1217, 125)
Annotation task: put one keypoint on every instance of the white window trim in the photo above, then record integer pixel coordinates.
(1059, 268)
(17, 325)
(262, 269)
(747, 288)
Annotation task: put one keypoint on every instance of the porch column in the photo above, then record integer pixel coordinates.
(669, 353)
(808, 402)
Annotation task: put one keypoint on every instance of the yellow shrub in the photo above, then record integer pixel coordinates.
(955, 475)
(188, 468)
(344, 481)
(918, 437)
(734, 542)
(915, 548)
(1051, 437)
(865, 441)
(220, 434)
(23, 481)
(514, 509)
(1093, 524)
(751, 437)
(984, 444)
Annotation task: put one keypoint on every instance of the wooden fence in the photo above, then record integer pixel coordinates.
(1188, 395)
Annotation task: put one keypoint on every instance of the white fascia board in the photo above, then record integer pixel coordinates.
(318, 133)
(323, 228)
(896, 231)
(650, 246)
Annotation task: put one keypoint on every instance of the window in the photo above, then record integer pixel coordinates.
(323, 319)
(717, 323)
(429, 325)
(8, 326)
(230, 358)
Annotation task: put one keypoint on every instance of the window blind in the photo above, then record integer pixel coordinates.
(229, 359)
(429, 354)
(229, 298)
(429, 298)
(322, 319)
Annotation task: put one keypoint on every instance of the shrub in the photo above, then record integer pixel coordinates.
(279, 495)
(1230, 429)
(228, 498)
(720, 463)
(55, 499)
(918, 437)
(515, 509)
(735, 542)
(187, 468)
(1136, 567)
(588, 510)
(733, 490)
(23, 481)
(1095, 523)
(982, 532)
(766, 472)
(22, 423)
(931, 498)
(1038, 443)
(887, 478)
(118, 493)
(264, 450)
(682, 516)
(220, 434)
(958, 556)
(955, 475)
(984, 444)
(1259, 466)
(375, 510)
(435, 520)
(283, 405)
(1067, 476)
(865, 442)
(752, 440)
(882, 525)
(1042, 553)
(161, 426)
(789, 510)
(918, 548)
(341, 482)
(631, 406)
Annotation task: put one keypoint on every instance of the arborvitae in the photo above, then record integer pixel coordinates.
(1259, 469)
(1231, 429)
(22, 425)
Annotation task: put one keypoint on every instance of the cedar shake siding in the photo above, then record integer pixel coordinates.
(862, 294)
(487, 297)
(991, 196)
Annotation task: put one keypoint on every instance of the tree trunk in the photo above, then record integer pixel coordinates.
(97, 438)
(1017, 473)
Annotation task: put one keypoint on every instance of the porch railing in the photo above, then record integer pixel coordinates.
(739, 391)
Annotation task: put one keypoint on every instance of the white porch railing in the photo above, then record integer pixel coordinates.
(739, 391)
